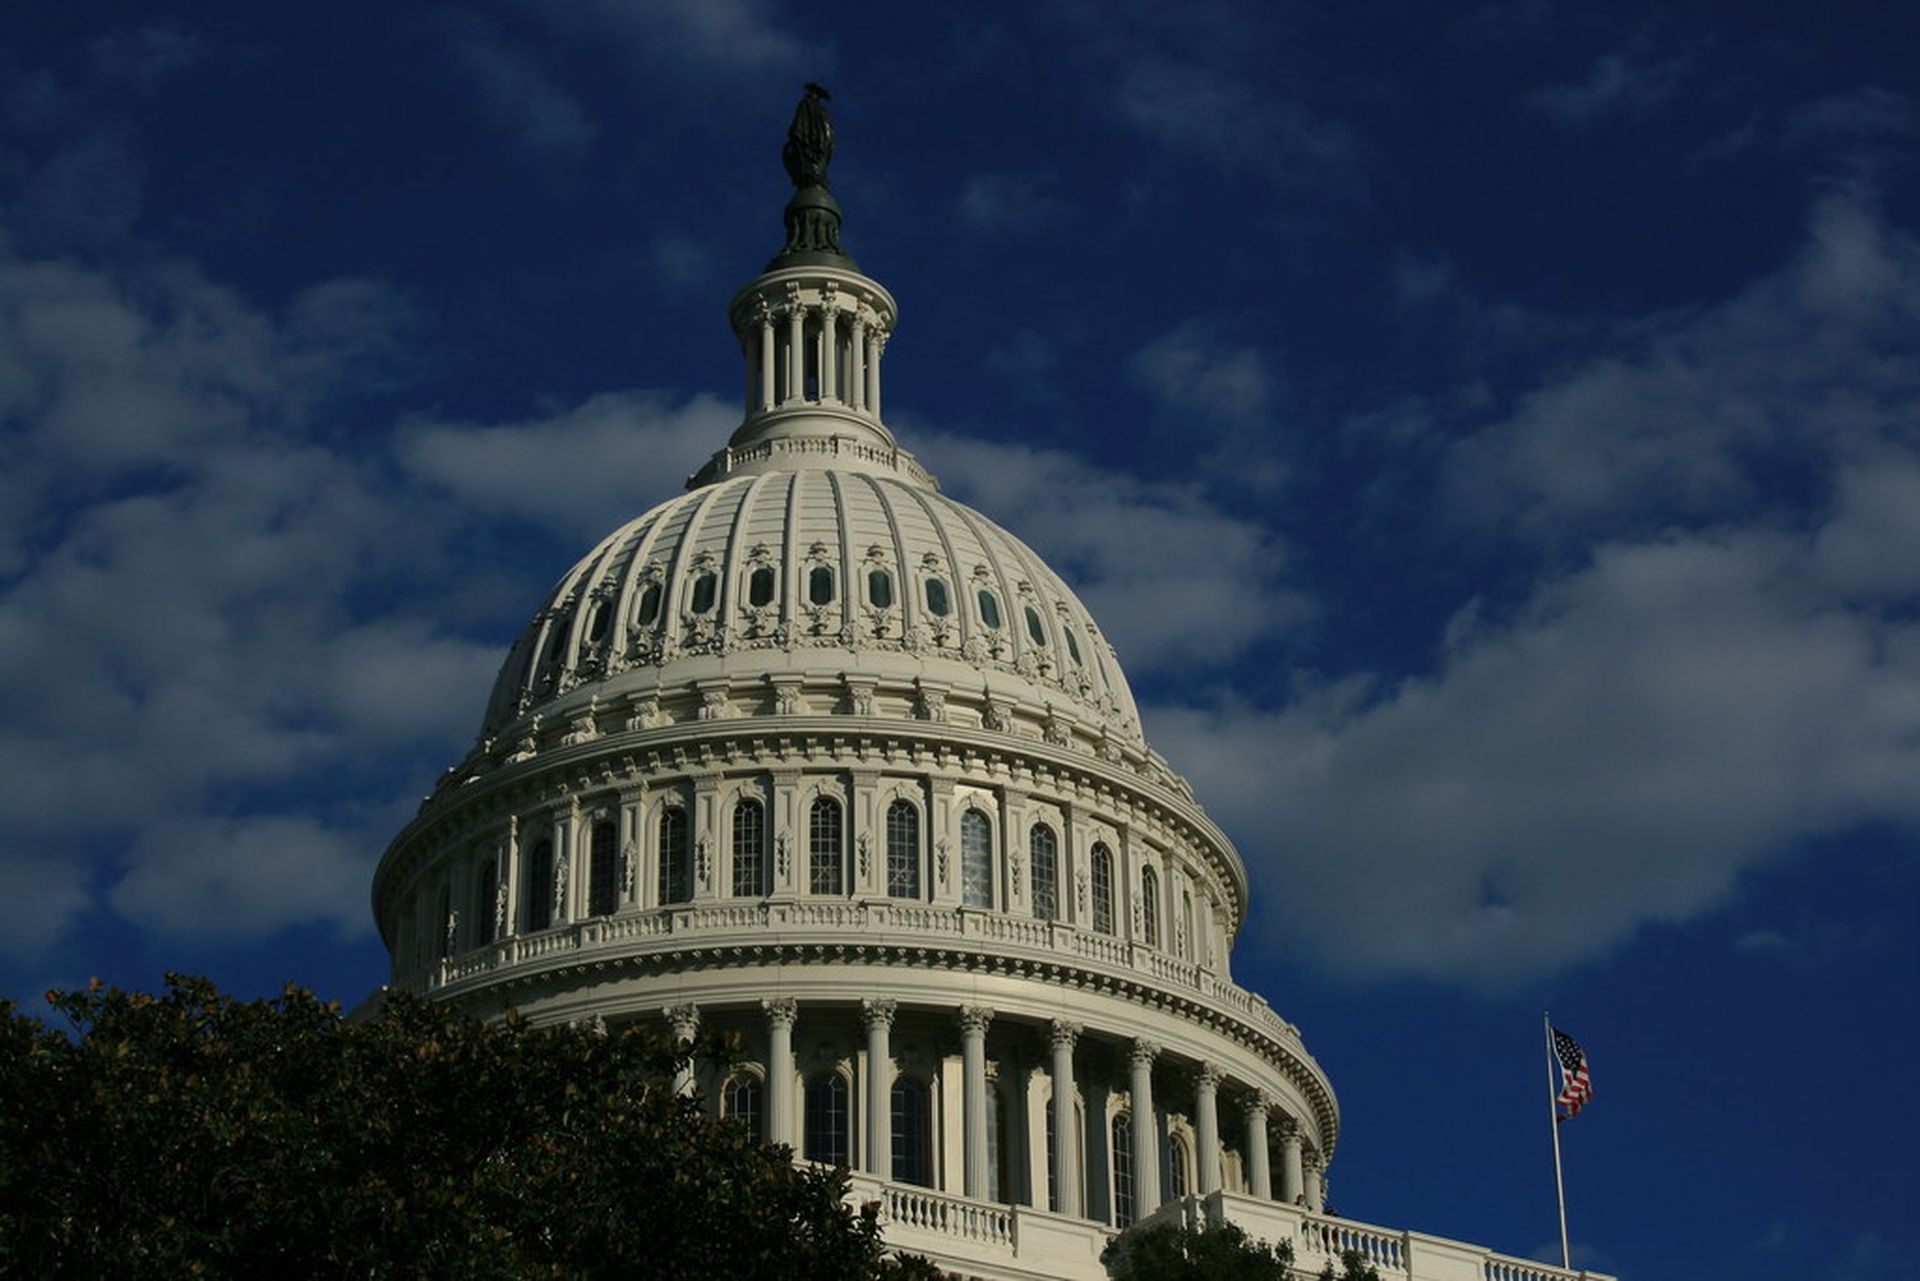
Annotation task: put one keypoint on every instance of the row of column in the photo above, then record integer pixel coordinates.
(1300, 1181)
(783, 366)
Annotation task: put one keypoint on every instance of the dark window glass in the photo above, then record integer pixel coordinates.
(749, 849)
(1150, 907)
(1053, 1181)
(1122, 1170)
(1035, 630)
(912, 1133)
(760, 588)
(597, 622)
(1046, 872)
(703, 588)
(1102, 877)
(824, 847)
(484, 894)
(676, 878)
(903, 850)
(937, 598)
(742, 1099)
(820, 585)
(880, 588)
(1177, 1168)
(826, 1121)
(989, 609)
(649, 605)
(603, 871)
(1073, 646)
(999, 1186)
(976, 859)
(539, 891)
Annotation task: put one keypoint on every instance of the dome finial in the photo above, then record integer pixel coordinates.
(812, 216)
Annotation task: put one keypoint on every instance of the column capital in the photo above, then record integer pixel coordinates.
(1313, 1162)
(1290, 1130)
(1143, 1052)
(974, 1018)
(684, 1020)
(1062, 1034)
(878, 1012)
(781, 1011)
(1207, 1077)
(1259, 1101)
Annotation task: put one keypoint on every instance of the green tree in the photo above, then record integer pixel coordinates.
(189, 1134)
(1353, 1267)
(1175, 1252)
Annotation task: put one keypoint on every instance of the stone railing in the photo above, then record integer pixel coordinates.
(634, 932)
(947, 1216)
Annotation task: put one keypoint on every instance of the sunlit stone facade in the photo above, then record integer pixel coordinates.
(818, 756)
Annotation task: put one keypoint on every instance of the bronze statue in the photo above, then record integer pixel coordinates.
(812, 216)
(809, 146)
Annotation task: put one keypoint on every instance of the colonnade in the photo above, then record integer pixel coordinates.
(1078, 1161)
(799, 353)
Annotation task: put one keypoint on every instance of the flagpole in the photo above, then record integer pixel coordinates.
(1553, 1113)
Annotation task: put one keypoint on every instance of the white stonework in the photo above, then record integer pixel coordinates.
(818, 756)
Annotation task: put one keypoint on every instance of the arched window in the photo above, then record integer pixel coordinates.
(1036, 630)
(539, 888)
(937, 604)
(485, 891)
(825, 1139)
(880, 589)
(820, 585)
(903, 850)
(976, 859)
(989, 609)
(760, 587)
(603, 870)
(826, 856)
(1122, 1170)
(1177, 1166)
(1102, 878)
(1073, 646)
(1046, 872)
(742, 1098)
(649, 605)
(676, 879)
(749, 849)
(1150, 907)
(912, 1132)
(703, 593)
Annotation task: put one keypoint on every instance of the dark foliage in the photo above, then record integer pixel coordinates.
(189, 1134)
(1175, 1252)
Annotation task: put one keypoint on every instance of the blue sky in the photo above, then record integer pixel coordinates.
(1490, 434)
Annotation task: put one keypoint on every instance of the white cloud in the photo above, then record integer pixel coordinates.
(1175, 582)
(1011, 204)
(1866, 112)
(1190, 371)
(1213, 115)
(580, 471)
(1642, 733)
(222, 880)
(523, 97)
(1614, 86)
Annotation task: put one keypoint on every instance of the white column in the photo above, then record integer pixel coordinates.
(877, 339)
(1146, 1145)
(1292, 1183)
(973, 1097)
(1316, 1185)
(796, 349)
(766, 393)
(1206, 1124)
(857, 362)
(1259, 1172)
(684, 1020)
(510, 878)
(1066, 1139)
(829, 354)
(877, 1013)
(781, 1012)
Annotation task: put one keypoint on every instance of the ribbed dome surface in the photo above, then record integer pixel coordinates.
(847, 571)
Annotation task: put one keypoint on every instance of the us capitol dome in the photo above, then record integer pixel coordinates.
(816, 755)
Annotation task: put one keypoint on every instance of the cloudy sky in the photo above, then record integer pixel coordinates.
(1491, 435)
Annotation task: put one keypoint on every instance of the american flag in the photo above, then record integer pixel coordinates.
(1576, 1087)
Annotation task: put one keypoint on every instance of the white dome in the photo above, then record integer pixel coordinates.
(810, 579)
